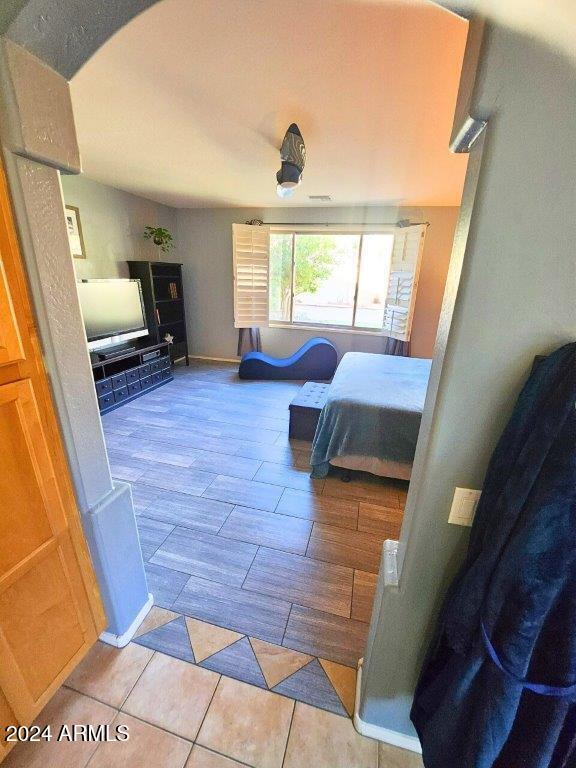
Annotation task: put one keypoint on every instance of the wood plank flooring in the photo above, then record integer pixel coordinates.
(301, 580)
(233, 530)
(363, 595)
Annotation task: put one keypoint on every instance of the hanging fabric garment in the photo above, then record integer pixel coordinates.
(498, 687)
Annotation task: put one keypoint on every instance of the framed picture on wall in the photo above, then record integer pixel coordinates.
(75, 237)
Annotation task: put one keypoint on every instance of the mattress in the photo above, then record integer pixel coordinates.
(380, 467)
(372, 412)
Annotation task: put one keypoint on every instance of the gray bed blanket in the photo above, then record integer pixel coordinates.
(374, 408)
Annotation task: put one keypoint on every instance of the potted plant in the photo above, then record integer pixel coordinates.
(160, 237)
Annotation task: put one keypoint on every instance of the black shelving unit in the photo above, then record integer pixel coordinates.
(163, 294)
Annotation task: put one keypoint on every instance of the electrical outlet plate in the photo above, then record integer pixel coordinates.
(464, 506)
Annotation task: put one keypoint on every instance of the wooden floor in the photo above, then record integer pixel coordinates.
(233, 530)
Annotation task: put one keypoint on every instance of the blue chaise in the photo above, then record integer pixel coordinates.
(314, 361)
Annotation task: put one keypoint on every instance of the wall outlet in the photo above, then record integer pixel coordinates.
(464, 506)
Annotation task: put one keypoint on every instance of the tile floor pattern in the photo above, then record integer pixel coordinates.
(235, 535)
(318, 682)
(180, 715)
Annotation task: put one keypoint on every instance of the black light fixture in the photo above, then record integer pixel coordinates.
(293, 157)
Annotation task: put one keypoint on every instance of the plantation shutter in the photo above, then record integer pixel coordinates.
(251, 251)
(403, 282)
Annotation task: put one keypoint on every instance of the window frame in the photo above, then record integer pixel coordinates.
(329, 229)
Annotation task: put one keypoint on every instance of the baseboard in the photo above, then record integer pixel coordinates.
(119, 641)
(216, 359)
(386, 735)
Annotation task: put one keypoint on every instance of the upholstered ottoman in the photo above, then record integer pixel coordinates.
(305, 410)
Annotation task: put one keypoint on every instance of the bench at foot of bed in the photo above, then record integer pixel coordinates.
(305, 410)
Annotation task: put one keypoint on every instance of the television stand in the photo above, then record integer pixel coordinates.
(130, 373)
(109, 352)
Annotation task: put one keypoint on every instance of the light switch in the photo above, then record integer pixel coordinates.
(464, 506)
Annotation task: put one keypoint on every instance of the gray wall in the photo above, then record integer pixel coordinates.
(65, 34)
(205, 237)
(113, 224)
(516, 299)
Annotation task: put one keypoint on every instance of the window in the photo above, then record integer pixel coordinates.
(332, 279)
(347, 278)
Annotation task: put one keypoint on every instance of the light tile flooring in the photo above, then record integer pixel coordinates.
(179, 715)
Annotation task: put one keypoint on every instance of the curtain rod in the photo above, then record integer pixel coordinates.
(398, 224)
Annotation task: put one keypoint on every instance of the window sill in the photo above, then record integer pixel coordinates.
(326, 329)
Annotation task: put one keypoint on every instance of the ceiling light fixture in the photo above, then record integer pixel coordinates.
(293, 157)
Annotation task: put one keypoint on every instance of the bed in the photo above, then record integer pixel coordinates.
(371, 418)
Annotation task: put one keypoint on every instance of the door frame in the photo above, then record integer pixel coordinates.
(48, 567)
(36, 221)
(38, 140)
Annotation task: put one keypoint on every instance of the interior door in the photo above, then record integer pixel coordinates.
(50, 608)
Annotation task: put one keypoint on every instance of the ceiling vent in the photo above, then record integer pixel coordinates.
(321, 198)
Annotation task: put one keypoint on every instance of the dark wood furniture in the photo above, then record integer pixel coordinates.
(305, 410)
(163, 295)
(130, 375)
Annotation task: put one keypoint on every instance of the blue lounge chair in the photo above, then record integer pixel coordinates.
(314, 361)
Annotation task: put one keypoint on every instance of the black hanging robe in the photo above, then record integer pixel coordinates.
(498, 688)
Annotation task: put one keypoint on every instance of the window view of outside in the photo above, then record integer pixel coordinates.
(313, 278)
(325, 269)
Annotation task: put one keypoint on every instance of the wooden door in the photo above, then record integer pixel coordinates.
(50, 608)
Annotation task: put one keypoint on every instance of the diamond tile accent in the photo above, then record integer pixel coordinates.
(312, 686)
(171, 638)
(277, 663)
(344, 681)
(237, 661)
(155, 618)
(306, 678)
(208, 639)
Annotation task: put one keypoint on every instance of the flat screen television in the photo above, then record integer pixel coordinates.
(113, 311)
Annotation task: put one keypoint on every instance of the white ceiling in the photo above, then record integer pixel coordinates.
(188, 103)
